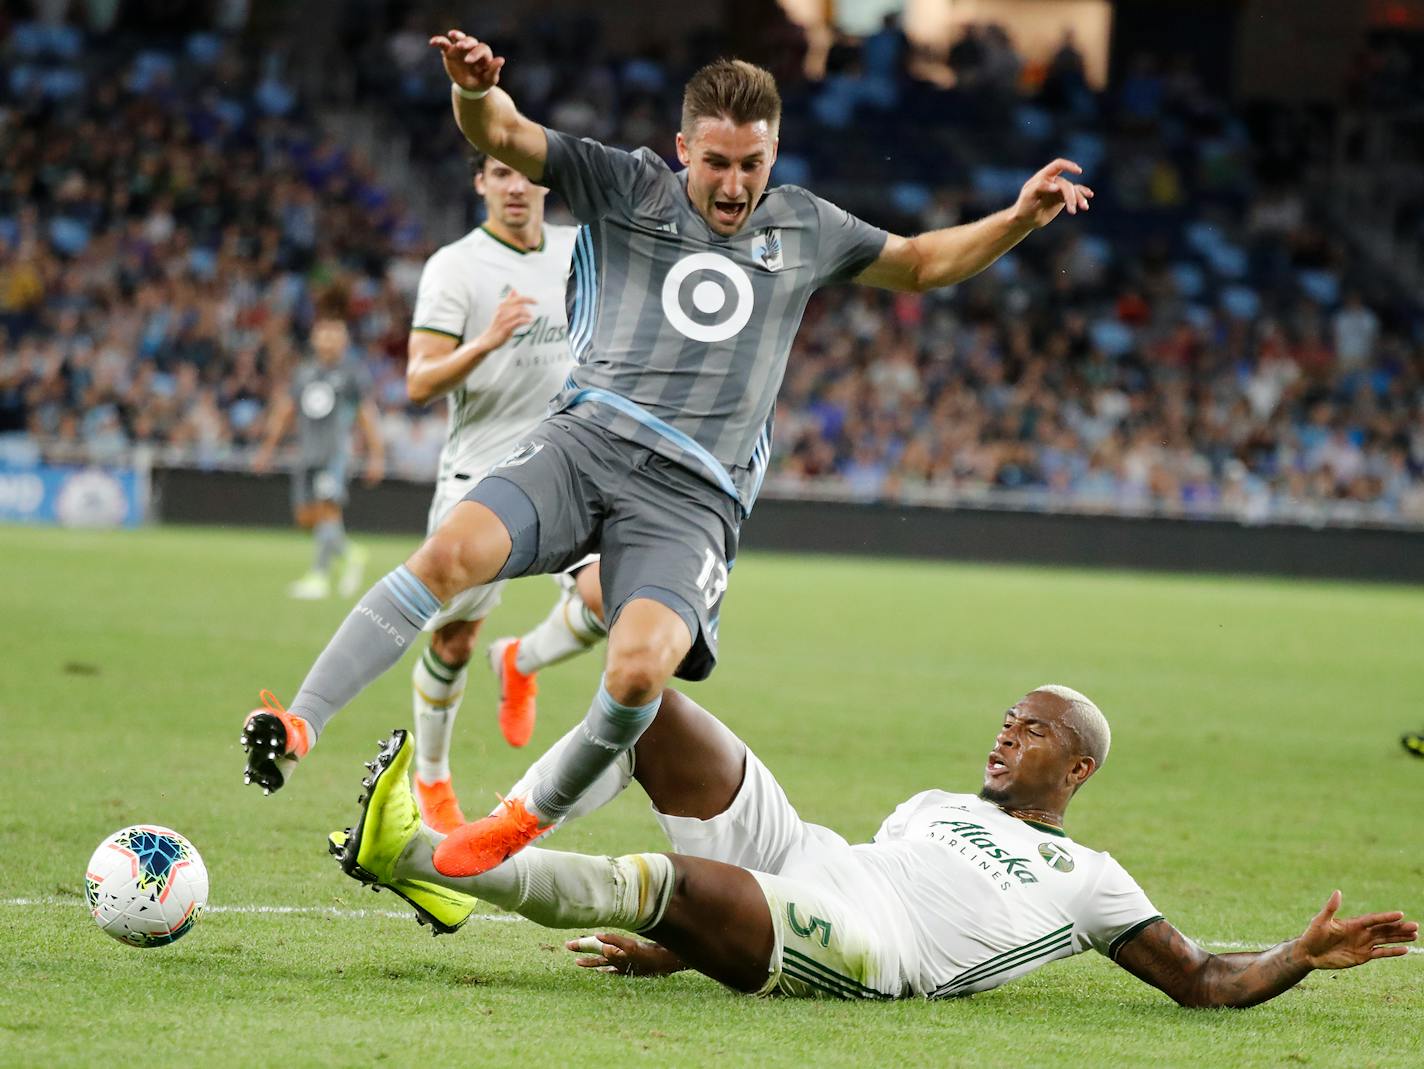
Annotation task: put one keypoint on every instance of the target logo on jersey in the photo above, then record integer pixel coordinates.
(318, 399)
(707, 297)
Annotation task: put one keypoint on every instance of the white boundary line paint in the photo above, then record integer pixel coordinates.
(312, 911)
(497, 918)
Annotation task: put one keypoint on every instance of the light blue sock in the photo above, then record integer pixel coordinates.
(608, 729)
(379, 629)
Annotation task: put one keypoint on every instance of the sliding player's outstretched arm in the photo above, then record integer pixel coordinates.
(944, 257)
(1165, 958)
(490, 122)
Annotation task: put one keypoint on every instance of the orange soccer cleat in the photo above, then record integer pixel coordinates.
(478, 847)
(438, 805)
(275, 741)
(516, 692)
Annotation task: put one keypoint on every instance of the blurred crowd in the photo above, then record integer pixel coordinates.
(1200, 344)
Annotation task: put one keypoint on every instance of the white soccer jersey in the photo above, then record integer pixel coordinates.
(509, 390)
(990, 897)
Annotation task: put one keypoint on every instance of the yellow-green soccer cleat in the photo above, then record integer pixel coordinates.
(389, 820)
(1413, 741)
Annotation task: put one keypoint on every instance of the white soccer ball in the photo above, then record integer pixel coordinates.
(146, 885)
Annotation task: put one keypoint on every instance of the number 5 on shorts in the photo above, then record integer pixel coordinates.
(712, 580)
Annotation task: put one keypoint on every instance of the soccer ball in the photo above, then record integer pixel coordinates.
(146, 885)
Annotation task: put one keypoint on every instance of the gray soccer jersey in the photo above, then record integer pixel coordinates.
(326, 400)
(680, 334)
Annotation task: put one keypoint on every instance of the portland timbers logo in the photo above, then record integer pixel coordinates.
(155, 855)
(1057, 858)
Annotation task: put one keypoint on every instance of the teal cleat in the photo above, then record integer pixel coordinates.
(389, 820)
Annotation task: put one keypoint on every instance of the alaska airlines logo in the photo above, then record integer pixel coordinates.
(698, 307)
(540, 332)
(967, 833)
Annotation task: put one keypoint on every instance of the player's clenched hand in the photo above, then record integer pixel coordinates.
(622, 954)
(1331, 942)
(514, 311)
(469, 63)
(1047, 193)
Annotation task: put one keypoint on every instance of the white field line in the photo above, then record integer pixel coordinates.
(313, 911)
(498, 918)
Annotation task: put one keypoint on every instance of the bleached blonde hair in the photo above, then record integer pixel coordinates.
(1086, 720)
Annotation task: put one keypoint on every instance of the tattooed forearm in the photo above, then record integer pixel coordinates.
(1248, 979)
(1168, 960)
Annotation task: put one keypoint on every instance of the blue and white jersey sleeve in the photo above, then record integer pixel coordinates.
(847, 244)
(594, 179)
(442, 302)
(1115, 911)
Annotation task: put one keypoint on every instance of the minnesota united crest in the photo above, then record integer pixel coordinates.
(766, 249)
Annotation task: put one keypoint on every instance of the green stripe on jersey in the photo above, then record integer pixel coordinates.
(436, 330)
(512, 247)
(959, 983)
(991, 964)
(819, 985)
(809, 964)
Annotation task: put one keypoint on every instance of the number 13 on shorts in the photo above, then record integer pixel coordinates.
(712, 579)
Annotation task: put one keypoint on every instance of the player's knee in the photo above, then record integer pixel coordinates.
(444, 565)
(635, 673)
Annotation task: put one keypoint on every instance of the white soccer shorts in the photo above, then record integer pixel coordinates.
(838, 927)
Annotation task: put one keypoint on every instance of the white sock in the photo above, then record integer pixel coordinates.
(570, 628)
(558, 890)
(436, 692)
(611, 782)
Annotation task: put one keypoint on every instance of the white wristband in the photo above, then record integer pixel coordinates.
(469, 94)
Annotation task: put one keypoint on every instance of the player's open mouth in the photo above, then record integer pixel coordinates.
(728, 211)
(995, 766)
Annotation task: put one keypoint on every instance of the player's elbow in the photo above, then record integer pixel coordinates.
(1192, 999)
(921, 277)
(418, 389)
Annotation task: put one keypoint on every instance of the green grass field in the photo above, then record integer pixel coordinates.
(1255, 767)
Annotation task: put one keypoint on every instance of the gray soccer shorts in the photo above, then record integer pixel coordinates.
(323, 482)
(570, 488)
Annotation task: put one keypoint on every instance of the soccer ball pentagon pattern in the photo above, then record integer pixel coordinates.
(146, 885)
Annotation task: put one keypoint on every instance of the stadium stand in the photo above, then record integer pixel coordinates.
(1206, 342)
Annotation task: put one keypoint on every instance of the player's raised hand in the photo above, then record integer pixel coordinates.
(514, 311)
(1048, 192)
(469, 63)
(1331, 942)
(624, 955)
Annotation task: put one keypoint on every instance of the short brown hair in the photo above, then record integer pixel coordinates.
(332, 301)
(732, 89)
